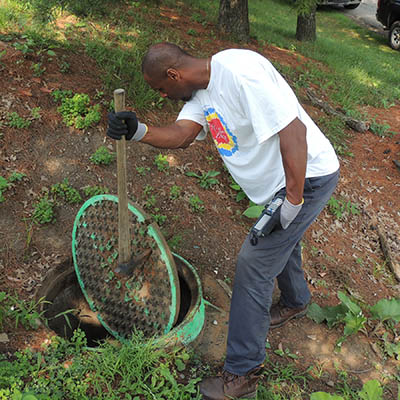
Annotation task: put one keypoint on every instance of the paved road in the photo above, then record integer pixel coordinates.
(365, 14)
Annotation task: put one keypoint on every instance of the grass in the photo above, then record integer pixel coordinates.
(354, 67)
(365, 76)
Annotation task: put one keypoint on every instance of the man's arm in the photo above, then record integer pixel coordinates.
(293, 146)
(177, 135)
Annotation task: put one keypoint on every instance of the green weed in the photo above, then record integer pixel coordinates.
(142, 170)
(36, 113)
(175, 242)
(196, 204)
(64, 65)
(20, 312)
(16, 176)
(206, 179)
(161, 163)
(349, 313)
(76, 110)
(240, 195)
(38, 69)
(4, 185)
(66, 369)
(371, 390)
(175, 192)
(381, 130)
(15, 121)
(91, 191)
(342, 208)
(159, 218)
(7, 183)
(43, 212)
(66, 192)
(102, 156)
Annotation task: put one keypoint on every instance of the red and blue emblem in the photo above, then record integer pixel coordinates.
(224, 139)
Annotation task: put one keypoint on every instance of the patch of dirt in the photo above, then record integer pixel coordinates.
(339, 254)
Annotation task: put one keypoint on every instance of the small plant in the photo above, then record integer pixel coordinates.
(142, 170)
(196, 204)
(25, 47)
(371, 390)
(15, 121)
(76, 110)
(43, 211)
(381, 130)
(102, 156)
(91, 191)
(36, 113)
(341, 208)
(25, 312)
(206, 180)
(7, 183)
(4, 185)
(150, 201)
(175, 192)
(385, 311)
(161, 163)
(38, 69)
(64, 65)
(347, 313)
(192, 32)
(240, 195)
(175, 241)
(253, 211)
(159, 218)
(65, 191)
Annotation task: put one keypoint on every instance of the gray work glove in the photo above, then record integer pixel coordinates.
(289, 212)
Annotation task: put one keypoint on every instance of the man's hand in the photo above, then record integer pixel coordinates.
(289, 212)
(125, 123)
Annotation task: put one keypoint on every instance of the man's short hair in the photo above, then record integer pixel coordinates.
(161, 56)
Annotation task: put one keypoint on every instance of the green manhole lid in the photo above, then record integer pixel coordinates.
(147, 300)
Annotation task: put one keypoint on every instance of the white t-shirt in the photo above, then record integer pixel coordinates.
(247, 102)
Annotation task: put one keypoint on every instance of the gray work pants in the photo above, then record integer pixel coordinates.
(277, 255)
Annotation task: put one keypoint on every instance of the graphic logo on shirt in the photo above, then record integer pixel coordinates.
(224, 139)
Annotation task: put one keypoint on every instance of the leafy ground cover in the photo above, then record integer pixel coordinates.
(49, 164)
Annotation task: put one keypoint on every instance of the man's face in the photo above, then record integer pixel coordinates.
(172, 86)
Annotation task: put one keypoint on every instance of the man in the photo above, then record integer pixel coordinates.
(273, 150)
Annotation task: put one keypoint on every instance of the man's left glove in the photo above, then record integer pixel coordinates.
(289, 212)
(125, 123)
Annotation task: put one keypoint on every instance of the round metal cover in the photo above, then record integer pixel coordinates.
(148, 299)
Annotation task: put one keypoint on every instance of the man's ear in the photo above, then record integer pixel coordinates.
(173, 74)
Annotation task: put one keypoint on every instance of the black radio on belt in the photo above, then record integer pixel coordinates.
(267, 220)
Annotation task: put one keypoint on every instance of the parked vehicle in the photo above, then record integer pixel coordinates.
(349, 4)
(388, 14)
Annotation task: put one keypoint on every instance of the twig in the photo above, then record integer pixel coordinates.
(225, 287)
(357, 125)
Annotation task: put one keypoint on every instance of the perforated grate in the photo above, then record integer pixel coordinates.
(148, 299)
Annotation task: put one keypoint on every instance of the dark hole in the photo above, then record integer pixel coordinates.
(69, 310)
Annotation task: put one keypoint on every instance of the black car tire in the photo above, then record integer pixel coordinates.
(394, 36)
(351, 6)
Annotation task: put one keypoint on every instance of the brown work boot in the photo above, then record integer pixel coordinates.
(281, 314)
(230, 386)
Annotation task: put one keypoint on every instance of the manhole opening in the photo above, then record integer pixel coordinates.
(66, 308)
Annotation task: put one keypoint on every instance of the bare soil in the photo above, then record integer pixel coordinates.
(339, 254)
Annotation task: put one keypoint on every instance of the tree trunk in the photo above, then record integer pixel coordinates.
(233, 19)
(306, 27)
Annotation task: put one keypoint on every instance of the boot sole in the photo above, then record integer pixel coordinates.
(295, 316)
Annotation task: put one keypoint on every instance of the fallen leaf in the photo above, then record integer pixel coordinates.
(25, 92)
(45, 90)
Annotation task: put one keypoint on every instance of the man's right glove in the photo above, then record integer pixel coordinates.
(125, 123)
